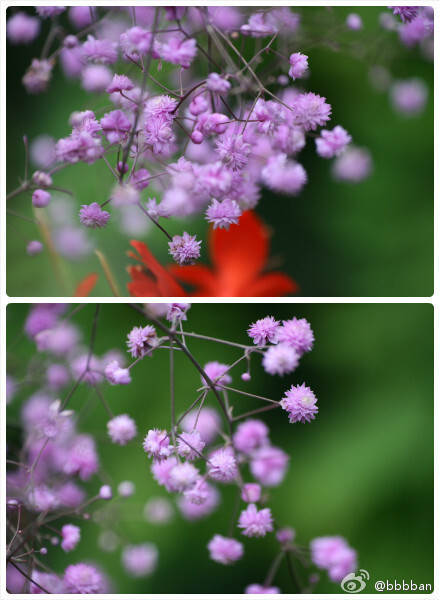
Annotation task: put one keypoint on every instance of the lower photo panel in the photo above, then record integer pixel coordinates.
(219, 448)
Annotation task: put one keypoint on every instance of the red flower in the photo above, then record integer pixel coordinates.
(238, 257)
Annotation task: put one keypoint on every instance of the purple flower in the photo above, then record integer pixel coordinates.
(155, 210)
(254, 522)
(183, 476)
(409, 96)
(156, 445)
(300, 403)
(140, 560)
(162, 107)
(120, 83)
(178, 51)
(102, 51)
(208, 424)
(251, 492)
(354, 165)
(93, 216)
(264, 330)
(177, 311)
(84, 121)
(139, 179)
(190, 445)
(407, 13)
(71, 534)
(335, 555)
(125, 489)
(280, 360)
(22, 28)
(82, 458)
(283, 175)
(222, 465)
(298, 334)
(256, 588)
(140, 340)
(299, 65)
(225, 550)
(354, 22)
(83, 147)
(217, 374)
(310, 111)
(223, 214)
(212, 123)
(136, 41)
(184, 249)
(96, 78)
(332, 143)
(249, 435)
(83, 579)
(285, 536)
(121, 429)
(34, 247)
(269, 114)
(37, 77)
(40, 198)
(193, 511)
(233, 152)
(115, 125)
(115, 374)
(70, 495)
(162, 466)
(217, 84)
(415, 31)
(158, 134)
(268, 465)
(105, 492)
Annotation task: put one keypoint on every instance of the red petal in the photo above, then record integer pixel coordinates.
(240, 253)
(141, 284)
(85, 286)
(199, 276)
(272, 284)
(166, 284)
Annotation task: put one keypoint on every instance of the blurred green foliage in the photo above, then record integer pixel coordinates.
(363, 469)
(370, 239)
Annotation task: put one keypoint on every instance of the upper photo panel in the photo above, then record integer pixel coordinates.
(219, 151)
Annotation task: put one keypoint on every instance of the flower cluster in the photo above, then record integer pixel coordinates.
(203, 450)
(208, 145)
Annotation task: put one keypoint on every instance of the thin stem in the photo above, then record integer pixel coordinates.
(293, 575)
(250, 395)
(154, 221)
(255, 412)
(219, 341)
(172, 391)
(273, 569)
(28, 577)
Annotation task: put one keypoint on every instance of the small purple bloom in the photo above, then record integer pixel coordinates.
(140, 560)
(140, 340)
(407, 13)
(225, 550)
(93, 216)
(310, 111)
(217, 84)
(83, 579)
(222, 465)
(34, 247)
(156, 444)
(115, 125)
(264, 330)
(332, 143)
(71, 534)
(300, 403)
(121, 429)
(120, 83)
(298, 334)
(299, 65)
(184, 249)
(254, 522)
(233, 152)
(223, 214)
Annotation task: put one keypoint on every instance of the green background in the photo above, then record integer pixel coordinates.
(370, 239)
(363, 469)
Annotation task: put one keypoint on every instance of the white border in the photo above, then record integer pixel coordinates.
(4, 299)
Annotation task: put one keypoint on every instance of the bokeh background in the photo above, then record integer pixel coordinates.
(363, 469)
(370, 239)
